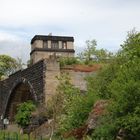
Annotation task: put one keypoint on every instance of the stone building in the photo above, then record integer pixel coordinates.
(45, 46)
(38, 82)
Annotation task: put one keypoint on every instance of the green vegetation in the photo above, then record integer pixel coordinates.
(9, 65)
(74, 102)
(68, 108)
(119, 83)
(122, 88)
(4, 135)
(68, 61)
(92, 54)
(23, 115)
(89, 56)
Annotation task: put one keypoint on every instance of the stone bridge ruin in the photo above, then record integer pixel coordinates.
(38, 82)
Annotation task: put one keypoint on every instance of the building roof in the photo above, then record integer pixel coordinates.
(52, 38)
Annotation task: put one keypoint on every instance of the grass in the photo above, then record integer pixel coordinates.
(6, 135)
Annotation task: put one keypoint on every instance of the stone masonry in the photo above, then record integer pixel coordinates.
(38, 82)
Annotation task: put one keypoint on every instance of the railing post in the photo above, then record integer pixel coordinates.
(4, 135)
(29, 136)
(16, 136)
(8, 136)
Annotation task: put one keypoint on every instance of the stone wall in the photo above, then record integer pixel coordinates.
(32, 76)
(42, 47)
(39, 55)
(41, 78)
(78, 78)
(50, 81)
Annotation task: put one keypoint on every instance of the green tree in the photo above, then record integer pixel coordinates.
(126, 87)
(76, 105)
(103, 55)
(69, 108)
(8, 65)
(124, 93)
(67, 61)
(90, 50)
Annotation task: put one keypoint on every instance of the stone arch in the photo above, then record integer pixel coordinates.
(21, 91)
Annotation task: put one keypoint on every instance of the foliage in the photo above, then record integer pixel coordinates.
(76, 106)
(55, 105)
(122, 88)
(103, 54)
(118, 81)
(9, 65)
(126, 87)
(91, 53)
(68, 61)
(77, 111)
(6, 135)
(69, 107)
(23, 115)
(98, 84)
(91, 49)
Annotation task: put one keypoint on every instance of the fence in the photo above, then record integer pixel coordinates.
(8, 136)
(15, 136)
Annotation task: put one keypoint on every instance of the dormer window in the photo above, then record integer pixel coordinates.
(64, 45)
(54, 45)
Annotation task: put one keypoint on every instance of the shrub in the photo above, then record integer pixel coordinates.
(68, 61)
(23, 115)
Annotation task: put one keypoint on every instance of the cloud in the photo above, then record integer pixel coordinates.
(15, 49)
(106, 21)
(36, 12)
(14, 46)
(5, 36)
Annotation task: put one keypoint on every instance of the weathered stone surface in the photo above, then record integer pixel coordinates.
(44, 131)
(98, 110)
(39, 81)
(31, 76)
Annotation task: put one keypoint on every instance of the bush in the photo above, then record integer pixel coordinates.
(124, 93)
(23, 115)
(68, 61)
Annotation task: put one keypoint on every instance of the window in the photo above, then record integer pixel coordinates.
(54, 44)
(45, 44)
(64, 45)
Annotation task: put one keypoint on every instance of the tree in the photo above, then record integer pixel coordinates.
(8, 65)
(103, 55)
(90, 50)
(69, 107)
(125, 88)
(124, 93)
(92, 53)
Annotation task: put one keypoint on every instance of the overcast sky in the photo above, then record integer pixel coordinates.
(107, 21)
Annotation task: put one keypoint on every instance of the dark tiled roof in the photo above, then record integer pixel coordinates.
(53, 38)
